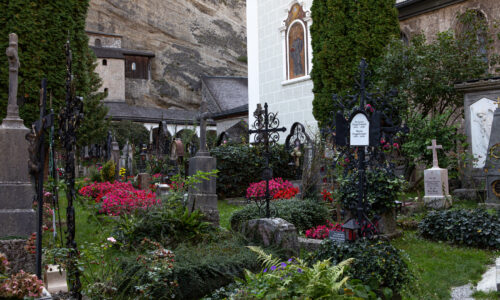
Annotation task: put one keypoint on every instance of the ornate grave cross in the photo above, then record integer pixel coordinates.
(497, 102)
(37, 165)
(434, 147)
(266, 130)
(357, 139)
(70, 118)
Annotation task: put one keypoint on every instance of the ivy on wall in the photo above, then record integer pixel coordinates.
(43, 28)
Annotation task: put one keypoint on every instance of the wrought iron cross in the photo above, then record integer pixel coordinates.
(434, 147)
(37, 165)
(266, 132)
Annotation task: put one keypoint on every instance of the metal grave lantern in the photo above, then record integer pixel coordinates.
(351, 229)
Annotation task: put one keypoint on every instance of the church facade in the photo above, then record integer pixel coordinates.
(280, 60)
(280, 54)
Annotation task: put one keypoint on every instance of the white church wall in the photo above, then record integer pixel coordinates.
(292, 99)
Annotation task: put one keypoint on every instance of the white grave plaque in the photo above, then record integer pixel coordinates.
(360, 127)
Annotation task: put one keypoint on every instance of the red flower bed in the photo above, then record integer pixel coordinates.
(278, 189)
(119, 197)
(322, 231)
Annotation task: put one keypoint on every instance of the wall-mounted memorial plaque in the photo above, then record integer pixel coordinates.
(360, 128)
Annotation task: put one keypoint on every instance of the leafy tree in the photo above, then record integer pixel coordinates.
(135, 133)
(43, 28)
(425, 72)
(342, 33)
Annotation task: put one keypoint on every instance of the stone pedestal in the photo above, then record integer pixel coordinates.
(273, 232)
(144, 180)
(17, 218)
(492, 165)
(203, 195)
(437, 194)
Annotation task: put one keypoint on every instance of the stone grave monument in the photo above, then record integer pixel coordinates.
(203, 195)
(127, 158)
(436, 182)
(17, 217)
(479, 108)
(492, 165)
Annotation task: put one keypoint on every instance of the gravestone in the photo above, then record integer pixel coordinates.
(436, 182)
(203, 195)
(492, 165)
(274, 232)
(115, 156)
(126, 159)
(479, 108)
(143, 180)
(17, 218)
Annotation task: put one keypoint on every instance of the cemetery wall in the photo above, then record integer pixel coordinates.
(292, 99)
(189, 39)
(445, 18)
(113, 77)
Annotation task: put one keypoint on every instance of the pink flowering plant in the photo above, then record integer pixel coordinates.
(322, 231)
(119, 197)
(20, 285)
(276, 186)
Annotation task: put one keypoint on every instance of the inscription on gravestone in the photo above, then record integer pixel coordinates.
(433, 184)
(360, 130)
(337, 236)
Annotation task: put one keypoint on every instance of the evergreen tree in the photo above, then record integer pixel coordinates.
(43, 28)
(342, 33)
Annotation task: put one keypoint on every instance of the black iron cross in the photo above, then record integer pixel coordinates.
(266, 132)
(37, 164)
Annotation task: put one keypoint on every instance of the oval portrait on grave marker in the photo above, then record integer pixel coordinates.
(360, 129)
(495, 187)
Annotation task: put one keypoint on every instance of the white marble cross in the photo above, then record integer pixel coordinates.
(434, 148)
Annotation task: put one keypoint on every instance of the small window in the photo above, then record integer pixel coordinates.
(104, 62)
(97, 43)
(133, 66)
(106, 90)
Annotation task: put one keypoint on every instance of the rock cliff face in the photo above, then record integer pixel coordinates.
(190, 38)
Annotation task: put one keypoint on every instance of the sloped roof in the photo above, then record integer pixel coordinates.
(227, 93)
(123, 111)
(108, 52)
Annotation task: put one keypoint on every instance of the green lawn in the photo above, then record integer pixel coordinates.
(225, 212)
(438, 266)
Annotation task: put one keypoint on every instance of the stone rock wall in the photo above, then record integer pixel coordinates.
(19, 259)
(190, 38)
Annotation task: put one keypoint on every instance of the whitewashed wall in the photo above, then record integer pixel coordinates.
(266, 79)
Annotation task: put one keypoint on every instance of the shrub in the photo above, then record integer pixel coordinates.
(304, 214)
(21, 285)
(383, 188)
(294, 279)
(277, 188)
(240, 165)
(376, 263)
(95, 174)
(475, 228)
(322, 231)
(108, 171)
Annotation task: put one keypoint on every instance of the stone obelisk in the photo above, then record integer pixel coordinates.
(17, 218)
(203, 195)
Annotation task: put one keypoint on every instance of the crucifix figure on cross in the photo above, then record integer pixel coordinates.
(434, 147)
(203, 116)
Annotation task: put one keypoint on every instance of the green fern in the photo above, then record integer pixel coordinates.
(267, 259)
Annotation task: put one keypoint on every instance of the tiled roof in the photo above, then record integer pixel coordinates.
(124, 111)
(107, 52)
(227, 93)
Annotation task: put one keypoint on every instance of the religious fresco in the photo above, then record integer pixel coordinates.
(296, 46)
(296, 51)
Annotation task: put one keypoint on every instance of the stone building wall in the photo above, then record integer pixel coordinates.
(445, 18)
(113, 77)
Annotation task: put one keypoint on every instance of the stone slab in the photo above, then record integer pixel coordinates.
(14, 158)
(207, 204)
(436, 182)
(273, 232)
(144, 180)
(309, 244)
(16, 195)
(437, 202)
(205, 164)
(466, 194)
(17, 222)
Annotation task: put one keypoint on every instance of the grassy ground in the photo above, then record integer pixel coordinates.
(438, 266)
(225, 212)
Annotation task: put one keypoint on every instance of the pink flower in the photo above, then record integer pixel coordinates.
(111, 239)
